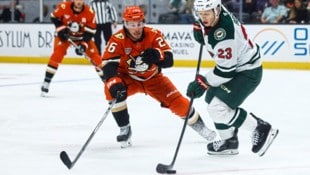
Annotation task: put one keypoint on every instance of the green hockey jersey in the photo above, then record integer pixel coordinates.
(231, 48)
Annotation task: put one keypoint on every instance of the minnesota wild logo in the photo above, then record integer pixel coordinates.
(219, 34)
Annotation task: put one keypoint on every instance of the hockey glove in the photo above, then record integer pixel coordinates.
(81, 48)
(62, 33)
(197, 87)
(198, 35)
(151, 56)
(117, 88)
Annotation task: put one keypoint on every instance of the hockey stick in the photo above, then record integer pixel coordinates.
(76, 47)
(64, 156)
(167, 169)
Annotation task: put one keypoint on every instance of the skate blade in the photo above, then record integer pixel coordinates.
(225, 152)
(126, 144)
(271, 136)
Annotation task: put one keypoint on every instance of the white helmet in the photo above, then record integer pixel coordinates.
(202, 5)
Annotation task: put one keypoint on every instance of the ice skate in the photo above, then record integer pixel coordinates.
(202, 130)
(224, 147)
(125, 136)
(44, 89)
(263, 137)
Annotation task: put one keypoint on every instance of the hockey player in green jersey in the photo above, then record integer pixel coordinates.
(237, 73)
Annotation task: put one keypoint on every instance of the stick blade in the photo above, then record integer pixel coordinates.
(65, 159)
(165, 169)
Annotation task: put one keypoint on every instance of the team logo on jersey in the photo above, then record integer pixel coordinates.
(74, 27)
(219, 34)
(128, 51)
(119, 36)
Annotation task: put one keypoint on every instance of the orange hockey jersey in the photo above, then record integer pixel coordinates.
(77, 23)
(121, 46)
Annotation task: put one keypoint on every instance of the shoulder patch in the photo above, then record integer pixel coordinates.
(219, 34)
(63, 5)
(119, 36)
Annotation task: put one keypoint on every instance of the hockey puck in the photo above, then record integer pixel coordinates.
(171, 171)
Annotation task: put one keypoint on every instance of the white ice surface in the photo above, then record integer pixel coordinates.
(34, 130)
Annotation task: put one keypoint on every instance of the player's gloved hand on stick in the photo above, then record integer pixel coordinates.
(198, 35)
(62, 33)
(151, 56)
(81, 48)
(117, 88)
(196, 88)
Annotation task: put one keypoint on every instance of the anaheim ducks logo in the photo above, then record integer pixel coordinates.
(74, 27)
(139, 70)
(135, 64)
(219, 34)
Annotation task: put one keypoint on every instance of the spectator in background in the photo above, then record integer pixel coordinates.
(298, 13)
(260, 7)
(291, 12)
(177, 5)
(180, 12)
(186, 16)
(274, 14)
(249, 11)
(106, 17)
(308, 9)
(45, 15)
(19, 15)
(6, 14)
(229, 4)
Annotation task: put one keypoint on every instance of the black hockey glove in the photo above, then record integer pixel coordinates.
(198, 35)
(197, 87)
(151, 56)
(117, 88)
(62, 33)
(81, 48)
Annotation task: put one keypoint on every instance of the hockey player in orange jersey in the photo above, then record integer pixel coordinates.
(74, 21)
(133, 60)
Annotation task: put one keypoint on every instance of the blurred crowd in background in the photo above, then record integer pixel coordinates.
(169, 11)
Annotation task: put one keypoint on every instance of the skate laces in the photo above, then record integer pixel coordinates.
(255, 137)
(124, 130)
(217, 144)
